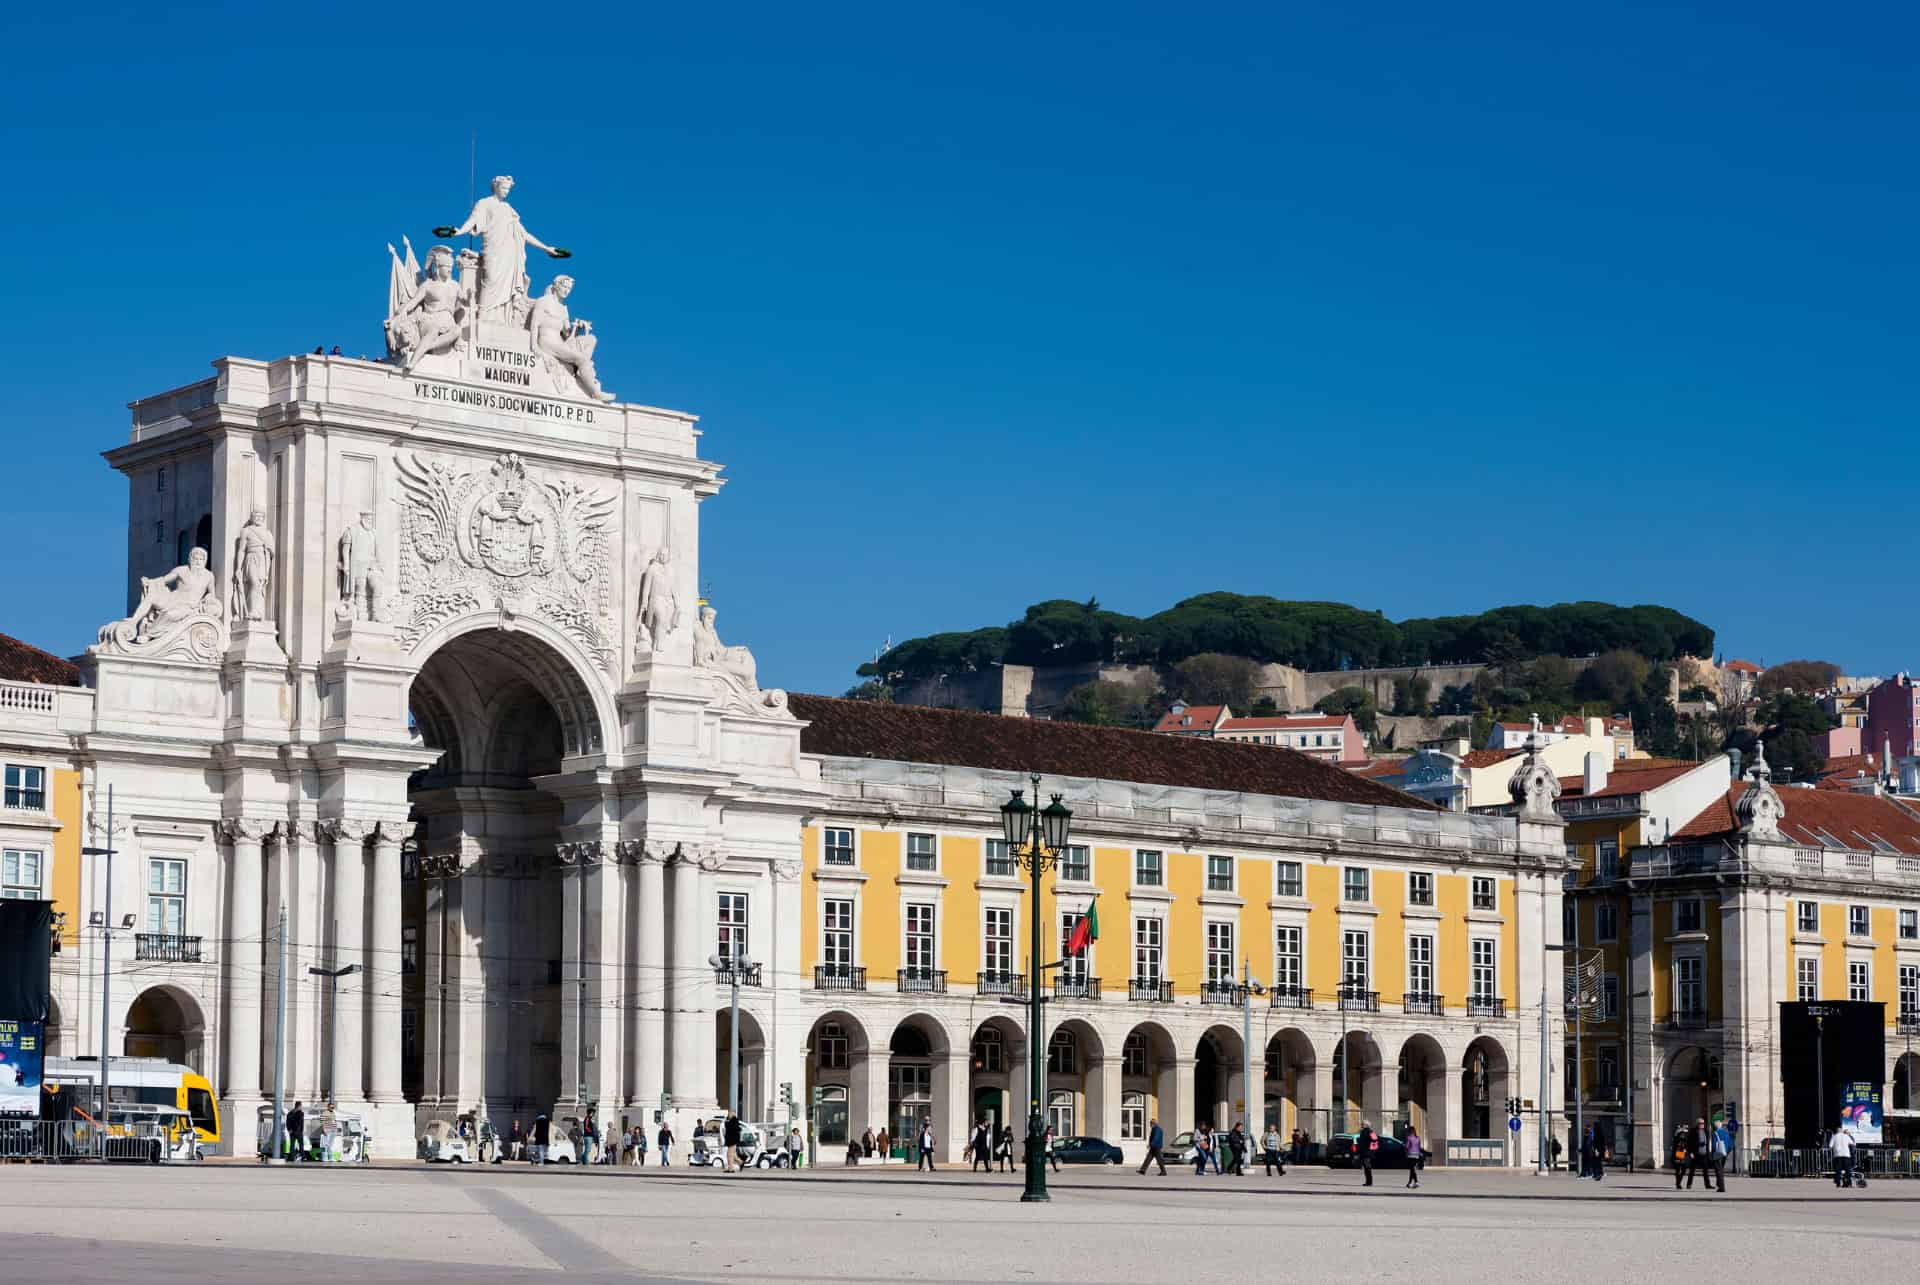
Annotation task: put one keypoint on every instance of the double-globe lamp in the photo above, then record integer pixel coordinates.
(1036, 837)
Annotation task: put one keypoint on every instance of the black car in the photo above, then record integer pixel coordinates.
(1391, 1154)
(1085, 1151)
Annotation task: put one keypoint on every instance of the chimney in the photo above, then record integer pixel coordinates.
(1910, 774)
(1597, 729)
(1597, 762)
(1733, 762)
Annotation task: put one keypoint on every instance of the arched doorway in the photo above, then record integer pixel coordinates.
(1290, 1067)
(1423, 1088)
(837, 1054)
(1216, 1077)
(504, 1002)
(754, 1102)
(1149, 1083)
(1484, 1088)
(166, 1022)
(1356, 1098)
(918, 1067)
(1688, 1089)
(1075, 1104)
(997, 1071)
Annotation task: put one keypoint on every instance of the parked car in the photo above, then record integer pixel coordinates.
(1085, 1151)
(1392, 1153)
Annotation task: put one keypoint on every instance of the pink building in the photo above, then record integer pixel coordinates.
(1838, 742)
(1893, 716)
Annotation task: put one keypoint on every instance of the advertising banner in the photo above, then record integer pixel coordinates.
(20, 1059)
(1860, 1111)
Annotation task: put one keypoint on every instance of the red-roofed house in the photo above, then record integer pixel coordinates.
(1332, 738)
(1513, 736)
(1192, 720)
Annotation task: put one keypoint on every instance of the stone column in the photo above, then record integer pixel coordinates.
(384, 1072)
(1183, 1107)
(496, 963)
(572, 970)
(952, 1111)
(245, 956)
(346, 1078)
(1326, 1120)
(649, 1078)
(1103, 1106)
(601, 927)
(690, 1034)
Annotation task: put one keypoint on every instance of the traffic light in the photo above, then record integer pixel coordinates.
(786, 1094)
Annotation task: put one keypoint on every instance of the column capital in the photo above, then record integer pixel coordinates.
(254, 830)
(349, 830)
(390, 834)
(588, 852)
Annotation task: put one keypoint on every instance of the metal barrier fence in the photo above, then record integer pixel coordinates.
(68, 1140)
(1817, 1162)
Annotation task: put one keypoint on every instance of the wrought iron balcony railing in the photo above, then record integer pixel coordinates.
(1009, 984)
(922, 981)
(840, 977)
(1220, 992)
(1150, 991)
(1355, 1000)
(1424, 1002)
(166, 948)
(1291, 997)
(1076, 988)
(1486, 1006)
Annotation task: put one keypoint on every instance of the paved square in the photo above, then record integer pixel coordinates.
(238, 1222)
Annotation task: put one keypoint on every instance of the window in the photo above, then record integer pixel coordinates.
(1807, 916)
(1073, 968)
(1288, 881)
(1909, 994)
(26, 787)
(1857, 922)
(999, 860)
(1420, 888)
(1354, 971)
(1485, 897)
(1133, 1055)
(1909, 925)
(1569, 920)
(1859, 980)
(1147, 941)
(1062, 1054)
(1355, 884)
(1076, 866)
(1480, 970)
(409, 949)
(1420, 965)
(920, 957)
(1807, 980)
(1289, 958)
(1060, 1112)
(837, 848)
(910, 1089)
(1220, 954)
(166, 895)
(733, 925)
(1606, 1067)
(1689, 985)
(1148, 871)
(836, 933)
(20, 874)
(1607, 859)
(989, 1050)
(1219, 874)
(831, 1045)
(1609, 996)
(921, 853)
(160, 479)
(1606, 921)
(1133, 1116)
(997, 957)
(1686, 915)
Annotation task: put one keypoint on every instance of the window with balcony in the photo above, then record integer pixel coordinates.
(1289, 958)
(920, 954)
(1909, 925)
(1356, 884)
(1607, 859)
(999, 858)
(166, 895)
(1148, 940)
(1073, 968)
(836, 935)
(1687, 917)
(1482, 984)
(1288, 880)
(1219, 874)
(836, 847)
(996, 956)
(26, 788)
(1220, 967)
(1609, 996)
(1485, 895)
(1806, 917)
(1606, 922)
(1149, 870)
(1419, 888)
(1355, 970)
(1420, 966)
(732, 926)
(1806, 976)
(1858, 921)
(1859, 981)
(922, 853)
(20, 873)
(1910, 994)
(1076, 864)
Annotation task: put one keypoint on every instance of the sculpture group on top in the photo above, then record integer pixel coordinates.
(433, 314)
(179, 615)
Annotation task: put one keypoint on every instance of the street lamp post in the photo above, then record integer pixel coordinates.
(1038, 836)
(1248, 989)
(333, 976)
(106, 967)
(732, 965)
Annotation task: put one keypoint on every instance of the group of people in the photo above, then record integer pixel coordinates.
(1698, 1149)
(988, 1146)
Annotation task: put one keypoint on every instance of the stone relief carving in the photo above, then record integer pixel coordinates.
(1534, 786)
(253, 568)
(580, 853)
(441, 865)
(179, 616)
(498, 538)
(248, 829)
(564, 344)
(734, 670)
(363, 580)
(633, 852)
(352, 831)
(659, 609)
(785, 871)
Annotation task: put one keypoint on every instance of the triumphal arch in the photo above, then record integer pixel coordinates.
(414, 649)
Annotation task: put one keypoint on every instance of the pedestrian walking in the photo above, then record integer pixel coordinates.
(866, 1144)
(1275, 1158)
(1003, 1147)
(1682, 1153)
(1842, 1145)
(1156, 1139)
(637, 1152)
(1202, 1148)
(795, 1145)
(516, 1141)
(1046, 1149)
(297, 1131)
(1414, 1154)
(1720, 1149)
(1365, 1146)
(1237, 1150)
(664, 1140)
(926, 1144)
(730, 1144)
(542, 1137)
(981, 1148)
(880, 1142)
(1699, 1154)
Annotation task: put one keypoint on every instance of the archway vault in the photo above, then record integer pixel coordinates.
(470, 671)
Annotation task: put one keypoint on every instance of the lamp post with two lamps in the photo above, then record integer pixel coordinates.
(103, 920)
(733, 966)
(1036, 836)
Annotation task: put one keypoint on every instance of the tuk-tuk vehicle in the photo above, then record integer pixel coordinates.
(339, 1138)
(711, 1142)
(442, 1143)
(152, 1133)
(484, 1140)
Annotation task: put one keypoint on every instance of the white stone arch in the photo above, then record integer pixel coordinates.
(167, 1020)
(1290, 1076)
(1424, 1073)
(754, 1024)
(945, 1061)
(846, 1072)
(580, 694)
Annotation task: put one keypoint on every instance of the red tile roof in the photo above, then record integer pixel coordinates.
(1628, 776)
(1744, 667)
(1379, 767)
(1193, 718)
(25, 663)
(959, 738)
(1819, 818)
(1487, 758)
(1845, 769)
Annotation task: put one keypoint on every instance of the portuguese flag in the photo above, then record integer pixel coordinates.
(1087, 931)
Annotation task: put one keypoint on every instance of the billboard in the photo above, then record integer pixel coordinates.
(21, 1046)
(1825, 1047)
(26, 958)
(1860, 1111)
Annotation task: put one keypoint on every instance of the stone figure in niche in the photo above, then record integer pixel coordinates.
(423, 317)
(252, 568)
(659, 605)
(566, 344)
(169, 600)
(503, 250)
(362, 578)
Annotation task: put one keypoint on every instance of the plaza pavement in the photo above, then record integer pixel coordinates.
(394, 1223)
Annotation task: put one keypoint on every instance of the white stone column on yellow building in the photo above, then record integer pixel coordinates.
(952, 1108)
(1104, 1080)
(1183, 1107)
(1326, 1119)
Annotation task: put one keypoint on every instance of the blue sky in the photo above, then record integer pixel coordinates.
(1424, 308)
